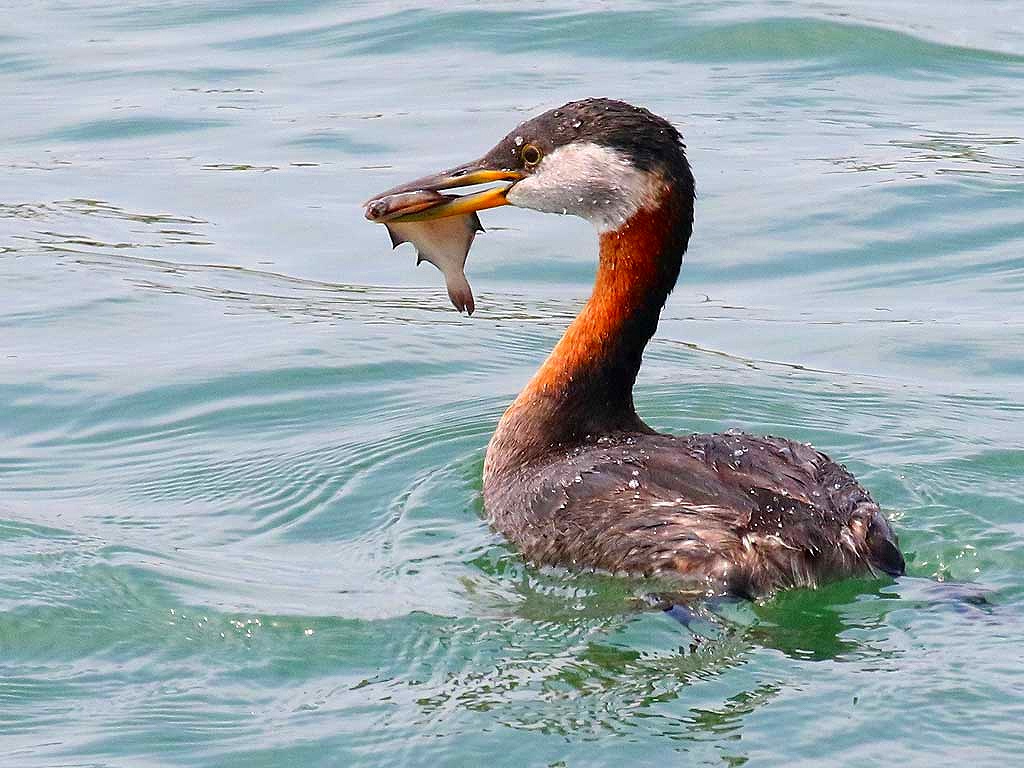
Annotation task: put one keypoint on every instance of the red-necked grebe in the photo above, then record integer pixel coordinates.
(573, 476)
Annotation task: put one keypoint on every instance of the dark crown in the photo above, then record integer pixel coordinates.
(649, 142)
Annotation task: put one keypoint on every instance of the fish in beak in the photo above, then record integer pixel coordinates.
(442, 226)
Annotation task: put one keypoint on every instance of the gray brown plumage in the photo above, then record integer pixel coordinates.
(727, 513)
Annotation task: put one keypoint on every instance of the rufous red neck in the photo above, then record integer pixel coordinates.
(585, 387)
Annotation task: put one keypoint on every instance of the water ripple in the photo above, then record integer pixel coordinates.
(242, 440)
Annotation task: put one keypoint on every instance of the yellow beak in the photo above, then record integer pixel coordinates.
(468, 175)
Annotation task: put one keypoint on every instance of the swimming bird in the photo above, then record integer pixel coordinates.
(573, 476)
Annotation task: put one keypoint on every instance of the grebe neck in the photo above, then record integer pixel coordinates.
(585, 387)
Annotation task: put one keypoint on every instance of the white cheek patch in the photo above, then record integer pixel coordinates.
(588, 180)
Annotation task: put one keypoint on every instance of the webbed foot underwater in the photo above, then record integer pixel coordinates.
(573, 476)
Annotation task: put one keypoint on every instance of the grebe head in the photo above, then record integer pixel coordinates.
(600, 159)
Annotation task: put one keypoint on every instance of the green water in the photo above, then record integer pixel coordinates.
(241, 440)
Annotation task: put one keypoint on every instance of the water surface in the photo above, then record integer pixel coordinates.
(241, 440)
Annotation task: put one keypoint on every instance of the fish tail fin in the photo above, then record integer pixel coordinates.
(460, 293)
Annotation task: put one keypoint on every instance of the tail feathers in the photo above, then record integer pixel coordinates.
(884, 548)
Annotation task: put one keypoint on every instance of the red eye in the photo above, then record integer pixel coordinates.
(531, 155)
